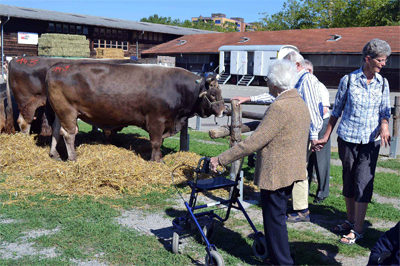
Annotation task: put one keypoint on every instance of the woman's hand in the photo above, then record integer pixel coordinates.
(320, 144)
(385, 134)
(241, 99)
(214, 164)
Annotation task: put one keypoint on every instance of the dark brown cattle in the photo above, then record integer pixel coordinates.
(158, 99)
(27, 81)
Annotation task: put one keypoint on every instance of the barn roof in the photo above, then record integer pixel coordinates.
(310, 41)
(40, 14)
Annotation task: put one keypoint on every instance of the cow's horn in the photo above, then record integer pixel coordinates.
(198, 81)
(218, 77)
(202, 94)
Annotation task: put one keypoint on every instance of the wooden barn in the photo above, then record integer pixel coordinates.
(21, 27)
(334, 52)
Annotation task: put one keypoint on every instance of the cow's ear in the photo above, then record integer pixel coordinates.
(209, 79)
(204, 93)
(198, 81)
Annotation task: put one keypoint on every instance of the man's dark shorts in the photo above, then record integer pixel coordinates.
(359, 164)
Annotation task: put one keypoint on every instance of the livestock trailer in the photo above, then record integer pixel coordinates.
(247, 62)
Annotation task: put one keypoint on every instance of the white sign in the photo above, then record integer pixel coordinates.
(27, 38)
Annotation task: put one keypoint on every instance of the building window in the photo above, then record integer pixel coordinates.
(125, 34)
(155, 36)
(78, 29)
(65, 29)
(218, 21)
(160, 37)
(72, 29)
(110, 44)
(150, 36)
(58, 28)
(52, 27)
(120, 34)
(85, 30)
(114, 33)
(102, 32)
(145, 37)
(108, 33)
(96, 32)
(134, 34)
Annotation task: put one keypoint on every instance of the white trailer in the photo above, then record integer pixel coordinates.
(249, 61)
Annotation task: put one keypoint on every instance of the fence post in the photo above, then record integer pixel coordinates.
(396, 124)
(236, 134)
(184, 138)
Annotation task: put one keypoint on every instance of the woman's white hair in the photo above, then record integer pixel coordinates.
(283, 74)
(375, 48)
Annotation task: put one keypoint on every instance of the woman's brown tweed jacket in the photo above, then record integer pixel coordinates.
(280, 142)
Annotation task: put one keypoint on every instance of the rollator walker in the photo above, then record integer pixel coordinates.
(193, 218)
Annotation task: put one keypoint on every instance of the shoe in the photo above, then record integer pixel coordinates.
(298, 217)
(342, 229)
(319, 200)
(351, 240)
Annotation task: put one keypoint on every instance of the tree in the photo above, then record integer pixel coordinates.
(200, 24)
(308, 14)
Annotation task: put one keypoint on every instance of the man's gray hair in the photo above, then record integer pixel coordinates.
(308, 63)
(375, 48)
(283, 74)
(295, 57)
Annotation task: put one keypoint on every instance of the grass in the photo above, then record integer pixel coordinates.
(87, 229)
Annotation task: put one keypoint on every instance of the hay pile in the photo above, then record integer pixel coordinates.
(109, 53)
(101, 170)
(63, 45)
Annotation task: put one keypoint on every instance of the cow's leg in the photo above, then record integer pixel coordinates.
(156, 130)
(55, 138)
(69, 134)
(24, 126)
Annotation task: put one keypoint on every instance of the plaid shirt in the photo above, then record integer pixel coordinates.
(363, 106)
(308, 88)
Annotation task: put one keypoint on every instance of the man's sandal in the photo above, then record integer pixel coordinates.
(351, 240)
(342, 229)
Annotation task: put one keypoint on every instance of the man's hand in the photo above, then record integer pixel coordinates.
(319, 144)
(214, 164)
(241, 99)
(314, 146)
(385, 135)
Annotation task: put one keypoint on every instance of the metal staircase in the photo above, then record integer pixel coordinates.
(224, 78)
(245, 80)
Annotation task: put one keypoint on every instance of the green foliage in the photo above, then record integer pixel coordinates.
(200, 24)
(311, 14)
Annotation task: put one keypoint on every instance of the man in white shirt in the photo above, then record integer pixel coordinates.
(321, 160)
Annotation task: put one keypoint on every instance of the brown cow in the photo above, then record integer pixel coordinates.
(27, 81)
(158, 99)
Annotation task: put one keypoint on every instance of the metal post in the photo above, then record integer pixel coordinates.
(184, 138)
(2, 46)
(198, 123)
(241, 187)
(396, 124)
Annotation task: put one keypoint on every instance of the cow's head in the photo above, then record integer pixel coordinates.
(212, 102)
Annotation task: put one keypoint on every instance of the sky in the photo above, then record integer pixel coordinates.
(250, 10)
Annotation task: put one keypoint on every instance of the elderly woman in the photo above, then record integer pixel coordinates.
(363, 97)
(281, 144)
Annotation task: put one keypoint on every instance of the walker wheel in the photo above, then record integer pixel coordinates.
(175, 242)
(216, 259)
(208, 230)
(260, 246)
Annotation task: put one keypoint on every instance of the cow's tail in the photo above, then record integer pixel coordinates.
(9, 110)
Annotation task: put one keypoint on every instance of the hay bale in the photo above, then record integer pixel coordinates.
(63, 45)
(109, 53)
